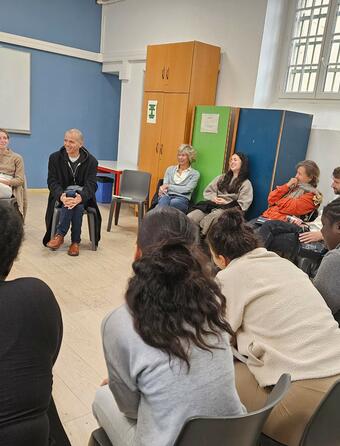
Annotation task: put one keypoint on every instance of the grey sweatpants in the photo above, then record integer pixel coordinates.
(120, 429)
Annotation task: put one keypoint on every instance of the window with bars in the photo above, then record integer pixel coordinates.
(314, 57)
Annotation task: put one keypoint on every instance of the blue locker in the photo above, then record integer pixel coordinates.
(275, 141)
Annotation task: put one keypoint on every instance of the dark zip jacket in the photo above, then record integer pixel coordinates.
(61, 175)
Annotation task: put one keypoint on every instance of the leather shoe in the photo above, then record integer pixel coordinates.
(73, 250)
(55, 242)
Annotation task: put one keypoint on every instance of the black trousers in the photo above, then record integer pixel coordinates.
(279, 236)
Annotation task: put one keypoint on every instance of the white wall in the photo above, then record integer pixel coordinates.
(324, 142)
(234, 25)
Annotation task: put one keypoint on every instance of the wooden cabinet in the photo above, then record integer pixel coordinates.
(168, 67)
(178, 77)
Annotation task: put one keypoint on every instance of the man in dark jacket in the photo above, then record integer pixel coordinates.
(72, 183)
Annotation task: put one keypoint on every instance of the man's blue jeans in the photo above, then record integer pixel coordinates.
(174, 201)
(68, 216)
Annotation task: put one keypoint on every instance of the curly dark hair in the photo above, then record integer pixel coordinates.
(172, 296)
(11, 235)
(225, 184)
(231, 236)
(332, 211)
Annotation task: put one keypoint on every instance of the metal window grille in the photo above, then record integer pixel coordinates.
(307, 46)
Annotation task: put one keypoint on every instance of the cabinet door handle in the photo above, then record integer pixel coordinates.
(163, 72)
(161, 149)
(157, 147)
(167, 73)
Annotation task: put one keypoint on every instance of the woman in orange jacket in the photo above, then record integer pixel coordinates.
(298, 196)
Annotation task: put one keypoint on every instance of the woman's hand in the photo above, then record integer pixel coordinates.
(219, 200)
(163, 190)
(310, 237)
(3, 181)
(293, 182)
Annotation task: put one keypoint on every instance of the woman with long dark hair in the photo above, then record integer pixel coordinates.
(228, 190)
(167, 349)
(282, 325)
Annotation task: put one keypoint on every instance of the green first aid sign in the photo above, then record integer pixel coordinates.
(151, 117)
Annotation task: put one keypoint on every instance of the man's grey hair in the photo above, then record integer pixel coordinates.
(76, 132)
(188, 150)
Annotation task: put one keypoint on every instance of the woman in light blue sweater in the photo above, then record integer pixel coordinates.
(167, 349)
(179, 181)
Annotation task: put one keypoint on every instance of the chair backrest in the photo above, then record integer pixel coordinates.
(242, 430)
(324, 426)
(135, 184)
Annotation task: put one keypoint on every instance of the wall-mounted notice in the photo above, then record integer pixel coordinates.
(15, 80)
(209, 123)
(151, 117)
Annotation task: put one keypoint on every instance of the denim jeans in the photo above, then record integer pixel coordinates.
(174, 201)
(68, 216)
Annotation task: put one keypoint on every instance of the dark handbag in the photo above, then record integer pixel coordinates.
(207, 206)
(74, 187)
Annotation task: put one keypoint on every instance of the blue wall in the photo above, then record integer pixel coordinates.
(68, 22)
(65, 92)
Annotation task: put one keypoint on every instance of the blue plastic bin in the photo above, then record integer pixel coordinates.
(104, 190)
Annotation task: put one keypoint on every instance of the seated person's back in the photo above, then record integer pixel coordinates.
(282, 325)
(30, 338)
(163, 366)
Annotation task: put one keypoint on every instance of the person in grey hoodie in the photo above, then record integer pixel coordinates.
(327, 279)
(167, 348)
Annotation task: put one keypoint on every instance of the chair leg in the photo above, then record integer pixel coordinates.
(109, 223)
(117, 211)
(140, 213)
(147, 205)
(91, 222)
(55, 221)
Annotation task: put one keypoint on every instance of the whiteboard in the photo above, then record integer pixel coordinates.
(15, 85)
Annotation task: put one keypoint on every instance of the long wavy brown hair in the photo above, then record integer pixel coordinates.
(172, 296)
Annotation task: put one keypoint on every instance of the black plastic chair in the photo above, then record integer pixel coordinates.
(10, 201)
(99, 438)
(324, 426)
(134, 189)
(91, 221)
(242, 430)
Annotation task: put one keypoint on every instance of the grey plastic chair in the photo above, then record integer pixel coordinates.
(324, 426)
(134, 189)
(242, 430)
(91, 222)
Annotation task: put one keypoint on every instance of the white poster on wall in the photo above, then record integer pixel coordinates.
(151, 116)
(209, 122)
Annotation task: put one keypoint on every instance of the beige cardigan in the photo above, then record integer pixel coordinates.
(244, 196)
(282, 323)
(11, 163)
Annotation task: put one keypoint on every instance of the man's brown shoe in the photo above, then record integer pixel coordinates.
(73, 250)
(55, 242)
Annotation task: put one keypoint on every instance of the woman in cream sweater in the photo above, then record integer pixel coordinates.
(282, 325)
(12, 175)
